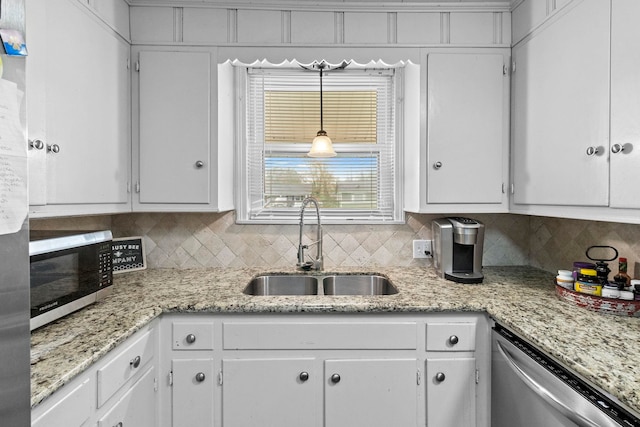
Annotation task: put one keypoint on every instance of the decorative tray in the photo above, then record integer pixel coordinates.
(600, 304)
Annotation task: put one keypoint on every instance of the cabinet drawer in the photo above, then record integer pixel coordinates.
(192, 335)
(72, 410)
(128, 363)
(319, 335)
(451, 336)
(136, 407)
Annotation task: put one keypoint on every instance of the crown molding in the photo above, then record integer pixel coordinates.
(336, 6)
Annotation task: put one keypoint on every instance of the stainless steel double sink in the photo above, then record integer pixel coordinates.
(333, 284)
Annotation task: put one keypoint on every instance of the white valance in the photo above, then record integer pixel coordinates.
(264, 63)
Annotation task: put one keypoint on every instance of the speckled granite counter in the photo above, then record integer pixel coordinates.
(603, 349)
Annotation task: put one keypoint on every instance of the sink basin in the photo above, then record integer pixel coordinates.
(356, 284)
(282, 285)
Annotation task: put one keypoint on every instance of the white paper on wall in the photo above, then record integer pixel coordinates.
(13, 161)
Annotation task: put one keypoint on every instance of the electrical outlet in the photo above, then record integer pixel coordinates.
(421, 248)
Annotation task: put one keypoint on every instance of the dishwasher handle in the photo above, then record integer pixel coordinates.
(547, 396)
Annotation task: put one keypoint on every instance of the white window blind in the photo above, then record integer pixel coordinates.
(282, 116)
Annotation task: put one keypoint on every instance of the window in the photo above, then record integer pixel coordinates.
(281, 116)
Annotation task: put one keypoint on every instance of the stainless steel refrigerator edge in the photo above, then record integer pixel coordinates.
(15, 407)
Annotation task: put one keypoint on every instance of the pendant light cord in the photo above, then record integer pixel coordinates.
(321, 109)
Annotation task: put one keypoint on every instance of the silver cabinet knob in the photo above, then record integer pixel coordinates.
(36, 144)
(191, 338)
(335, 378)
(453, 340)
(619, 148)
(592, 151)
(304, 376)
(200, 377)
(55, 148)
(135, 362)
(199, 164)
(440, 377)
(437, 165)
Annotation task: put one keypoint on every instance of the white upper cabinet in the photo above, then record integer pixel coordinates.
(461, 163)
(466, 141)
(78, 105)
(561, 110)
(175, 90)
(175, 154)
(625, 104)
(576, 99)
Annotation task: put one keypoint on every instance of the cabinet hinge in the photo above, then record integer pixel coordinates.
(220, 378)
(477, 376)
(138, 66)
(170, 378)
(419, 377)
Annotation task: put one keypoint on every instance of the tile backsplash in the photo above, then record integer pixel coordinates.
(184, 240)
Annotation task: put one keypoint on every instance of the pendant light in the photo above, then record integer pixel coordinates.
(322, 145)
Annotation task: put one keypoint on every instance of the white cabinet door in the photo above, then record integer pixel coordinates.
(36, 72)
(270, 392)
(370, 392)
(71, 409)
(625, 104)
(466, 123)
(561, 109)
(78, 103)
(192, 392)
(137, 406)
(451, 392)
(174, 127)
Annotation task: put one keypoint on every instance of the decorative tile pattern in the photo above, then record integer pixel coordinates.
(215, 240)
(555, 243)
(186, 240)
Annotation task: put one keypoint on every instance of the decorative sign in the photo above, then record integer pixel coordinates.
(128, 254)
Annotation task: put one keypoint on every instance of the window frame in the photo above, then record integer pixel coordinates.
(329, 215)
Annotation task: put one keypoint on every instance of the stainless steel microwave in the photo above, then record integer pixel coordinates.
(67, 272)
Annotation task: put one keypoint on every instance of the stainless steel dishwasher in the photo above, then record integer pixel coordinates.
(529, 389)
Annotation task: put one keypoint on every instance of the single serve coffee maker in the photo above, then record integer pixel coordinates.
(457, 249)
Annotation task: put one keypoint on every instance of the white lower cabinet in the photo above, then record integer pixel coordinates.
(70, 409)
(370, 392)
(325, 370)
(281, 370)
(451, 392)
(270, 392)
(193, 386)
(119, 390)
(136, 408)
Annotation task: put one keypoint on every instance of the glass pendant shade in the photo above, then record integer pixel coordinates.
(321, 146)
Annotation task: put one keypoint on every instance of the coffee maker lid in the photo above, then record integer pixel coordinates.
(459, 221)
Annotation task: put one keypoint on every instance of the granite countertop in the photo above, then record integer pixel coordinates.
(604, 349)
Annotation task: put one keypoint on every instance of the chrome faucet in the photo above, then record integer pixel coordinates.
(318, 263)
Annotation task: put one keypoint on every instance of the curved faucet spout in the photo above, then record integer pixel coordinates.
(318, 262)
